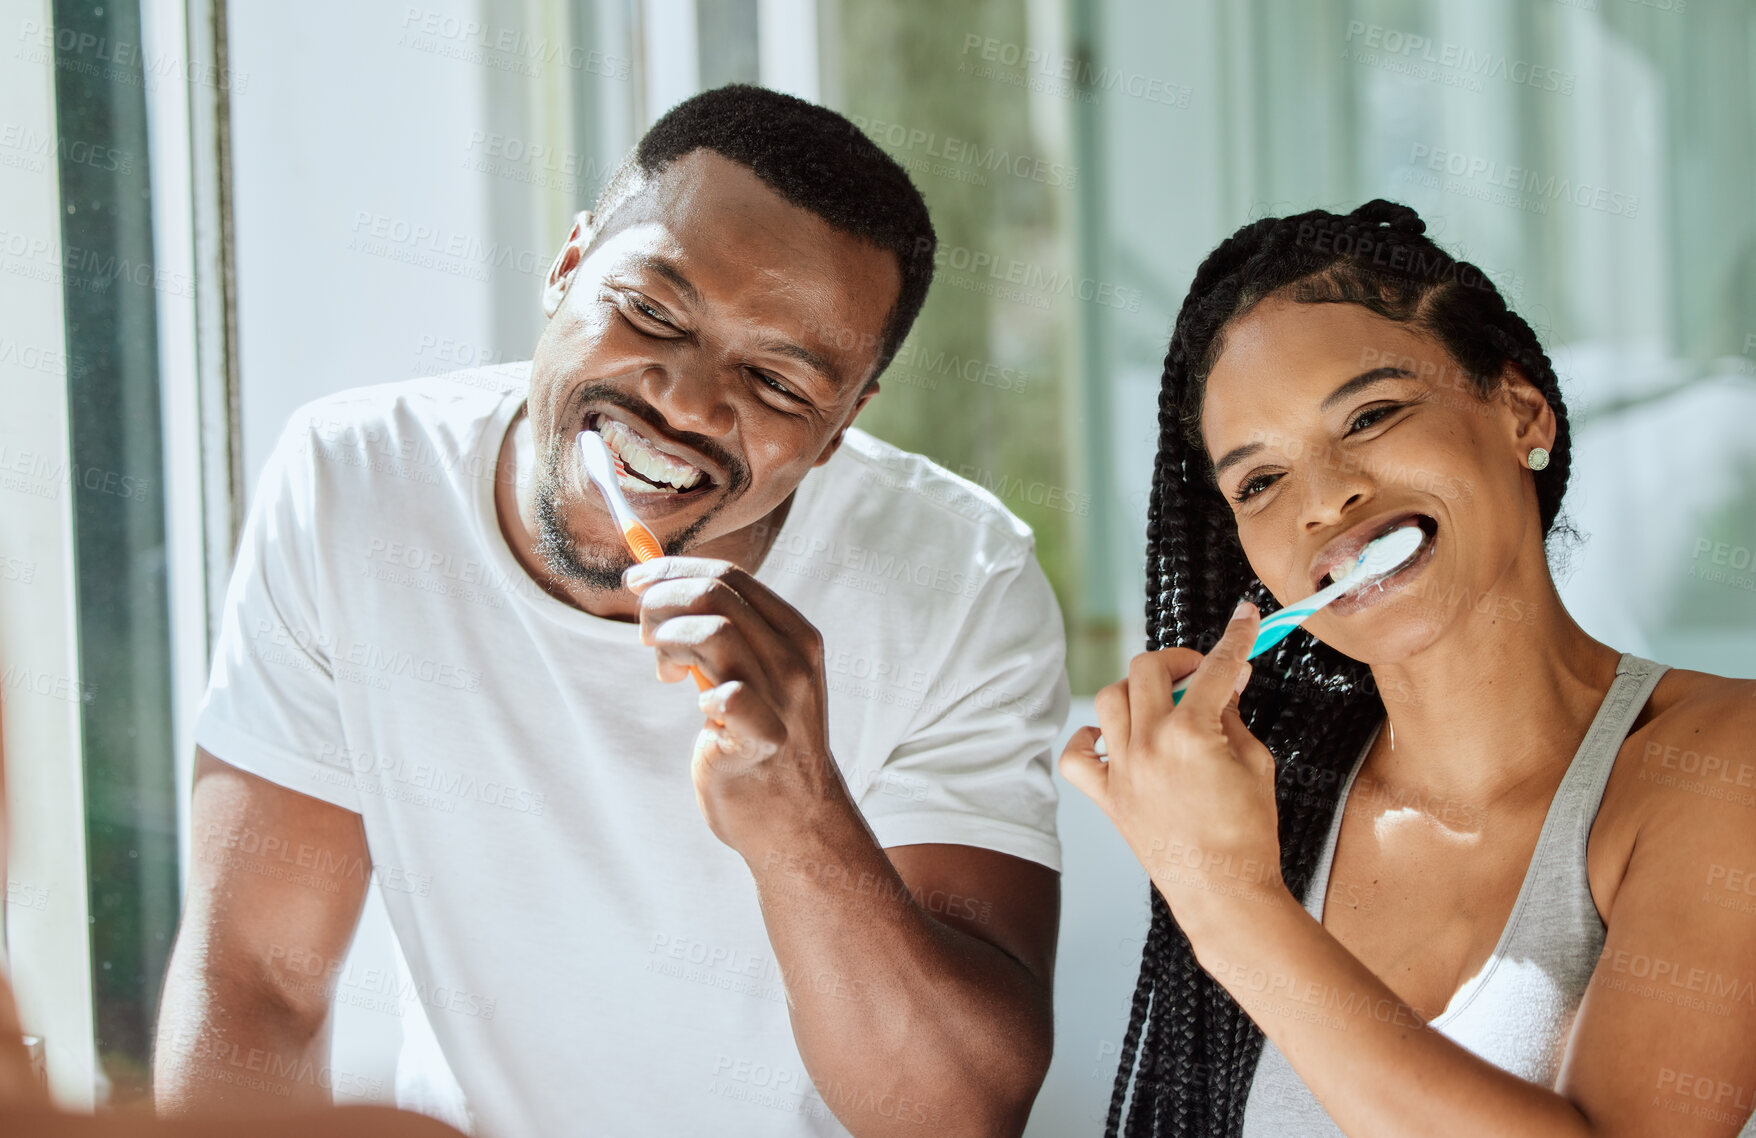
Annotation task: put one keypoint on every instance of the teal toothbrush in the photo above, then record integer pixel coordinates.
(1382, 556)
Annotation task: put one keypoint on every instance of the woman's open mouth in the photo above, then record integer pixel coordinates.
(643, 468)
(1378, 588)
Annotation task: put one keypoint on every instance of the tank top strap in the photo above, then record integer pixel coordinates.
(1589, 773)
(1318, 889)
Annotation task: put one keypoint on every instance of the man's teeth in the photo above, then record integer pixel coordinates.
(633, 485)
(641, 458)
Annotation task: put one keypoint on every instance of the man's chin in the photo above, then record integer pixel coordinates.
(593, 568)
(566, 559)
(563, 560)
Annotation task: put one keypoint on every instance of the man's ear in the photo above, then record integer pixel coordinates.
(1533, 419)
(572, 252)
(835, 443)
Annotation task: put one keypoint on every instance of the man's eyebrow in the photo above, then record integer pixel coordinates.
(813, 360)
(1364, 380)
(668, 270)
(1358, 383)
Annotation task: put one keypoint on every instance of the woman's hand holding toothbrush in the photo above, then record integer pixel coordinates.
(1188, 787)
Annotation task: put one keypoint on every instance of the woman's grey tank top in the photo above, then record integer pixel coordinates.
(1518, 1010)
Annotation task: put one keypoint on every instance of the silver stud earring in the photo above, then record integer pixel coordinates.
(1537, 458)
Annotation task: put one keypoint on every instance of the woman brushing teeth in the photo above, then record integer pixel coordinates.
(1430, 853)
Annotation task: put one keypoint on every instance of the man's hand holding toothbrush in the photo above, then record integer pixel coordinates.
(762, 760)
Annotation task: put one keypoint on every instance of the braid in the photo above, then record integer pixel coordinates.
(1190, 1052)
(1136, 1021)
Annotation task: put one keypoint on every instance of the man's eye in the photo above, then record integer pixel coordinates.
(648, 311)
(774, 383)
(1252, 486)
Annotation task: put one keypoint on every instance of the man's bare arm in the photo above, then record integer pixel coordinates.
(276, 884)
(919, 979)
(906, 1015)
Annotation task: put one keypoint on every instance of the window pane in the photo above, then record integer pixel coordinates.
(726, 41)
(119, 530)
(982, 383)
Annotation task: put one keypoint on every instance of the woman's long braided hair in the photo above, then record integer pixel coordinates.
(1311, 706)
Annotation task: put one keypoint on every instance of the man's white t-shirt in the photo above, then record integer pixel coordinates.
(592, 959)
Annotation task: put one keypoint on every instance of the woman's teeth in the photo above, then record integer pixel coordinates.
(1346, 566)
(643, 460)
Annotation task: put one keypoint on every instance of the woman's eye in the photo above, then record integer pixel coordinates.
(1371, 415)
(1252, 486)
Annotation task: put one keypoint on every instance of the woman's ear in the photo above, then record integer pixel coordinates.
(1533, 419)
(561, 271)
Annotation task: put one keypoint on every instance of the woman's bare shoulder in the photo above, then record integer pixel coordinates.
(1687, 769)
(1699, 725)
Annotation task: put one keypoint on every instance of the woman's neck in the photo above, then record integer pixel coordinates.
(1496, 702)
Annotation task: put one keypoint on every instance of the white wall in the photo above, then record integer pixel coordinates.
(369, 246)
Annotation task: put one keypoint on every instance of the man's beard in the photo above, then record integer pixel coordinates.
(599, 571)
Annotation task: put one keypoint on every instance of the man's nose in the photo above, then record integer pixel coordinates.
(691, 399)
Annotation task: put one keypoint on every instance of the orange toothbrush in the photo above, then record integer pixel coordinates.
(602, 467)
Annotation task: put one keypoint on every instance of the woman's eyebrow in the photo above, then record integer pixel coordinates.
(1358, 383)
(1364, 380)
(1234, 456)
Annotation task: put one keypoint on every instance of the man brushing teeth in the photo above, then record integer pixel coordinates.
(818, 897)
(660, 478)
(646, 469)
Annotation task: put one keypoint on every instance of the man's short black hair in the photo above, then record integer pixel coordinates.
(812, 157)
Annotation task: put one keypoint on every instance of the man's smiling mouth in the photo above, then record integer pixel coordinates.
(645, 468)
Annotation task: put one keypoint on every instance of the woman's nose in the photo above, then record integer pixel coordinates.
(1334, 490)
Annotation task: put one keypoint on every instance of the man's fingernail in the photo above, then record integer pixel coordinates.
(1243, 678)
(1244, 609)
(644, 574)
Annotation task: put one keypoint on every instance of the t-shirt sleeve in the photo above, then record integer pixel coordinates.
(270, 706)
(976, 768)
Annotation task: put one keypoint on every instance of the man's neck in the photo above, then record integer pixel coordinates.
(515, 506)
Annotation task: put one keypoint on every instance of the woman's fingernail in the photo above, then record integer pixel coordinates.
(1244, 609)
(1243, 678)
